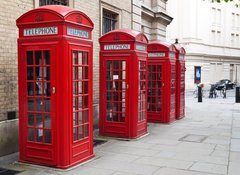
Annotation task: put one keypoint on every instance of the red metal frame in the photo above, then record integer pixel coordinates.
(161, 82)
(180, 82)
(53, 130)
(123, 84)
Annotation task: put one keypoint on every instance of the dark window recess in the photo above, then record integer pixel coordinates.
(49, 2)
(109, 21)
(11, 115)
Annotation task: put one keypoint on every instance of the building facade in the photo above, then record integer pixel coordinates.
(148, 16)
(210, 34)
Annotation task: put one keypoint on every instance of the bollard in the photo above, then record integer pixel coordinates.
(237, 95)
(224, 93)
(199, 94)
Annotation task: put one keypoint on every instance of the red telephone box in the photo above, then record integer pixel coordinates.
(180, 82)
(123, 56)
(55, 86)
(161, 82)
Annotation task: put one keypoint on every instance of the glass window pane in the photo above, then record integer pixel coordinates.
(30, 119)
(30, 89)
(75, 118)
(79, 58)
(30, 104)
(46, 57)
(74, 133)
(80, 73)
(47, 89)
(30, 73)
(75, 72)
(85, 70)
(80, 117)
(80, 88)
(47, 136)
(47, 105)
(39, 104)
(75, 85)
(86, 130)
(80, 129)
(75, 106)
(85, 102)
(39, 123)
(75, 61)
(39, 135)
(38, 56)
(85, 58)
(85, 84)
(30, 134)
(80, 103)
(47, 121)
(39, 88)
(29, 58)
(85, 114)
(46, 73)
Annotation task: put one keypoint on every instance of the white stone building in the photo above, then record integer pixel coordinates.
(210, 34)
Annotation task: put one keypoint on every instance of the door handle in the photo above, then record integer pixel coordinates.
(53, 90)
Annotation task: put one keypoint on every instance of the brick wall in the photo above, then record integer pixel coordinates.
(10, 10)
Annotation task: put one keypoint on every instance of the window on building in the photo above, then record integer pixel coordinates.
(237, 40)
(238, 22)
(49, 2)
(232, 39)
(213, 16)
(219, 17)
(218, 40)
(233, 20)
(213, 36)
(109, 21)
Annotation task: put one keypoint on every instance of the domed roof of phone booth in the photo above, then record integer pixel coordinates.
(180, 49)
(54, 13)
(124, 35)
(162, 46)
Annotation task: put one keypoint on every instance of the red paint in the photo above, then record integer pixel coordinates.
(123, 85)
(161, 82)
(180, 83)
(47, 97)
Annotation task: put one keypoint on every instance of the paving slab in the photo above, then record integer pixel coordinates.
(209, 168)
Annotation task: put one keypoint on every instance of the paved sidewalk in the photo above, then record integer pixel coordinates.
(206, 142)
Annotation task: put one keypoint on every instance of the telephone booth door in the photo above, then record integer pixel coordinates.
(155, 90)
(116, 90)
(38, 87)
(173, 90)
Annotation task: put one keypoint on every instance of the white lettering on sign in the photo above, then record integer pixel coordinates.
(117, 47)
(77, 32)
(40, 31)
(141, 47)
(160, 54)
(172, 55)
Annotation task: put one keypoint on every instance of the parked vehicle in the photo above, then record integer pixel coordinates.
(225, 83)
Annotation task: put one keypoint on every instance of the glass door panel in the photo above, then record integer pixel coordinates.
(39, 119)
(116, 90)
(80, 95)
(154, 88)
